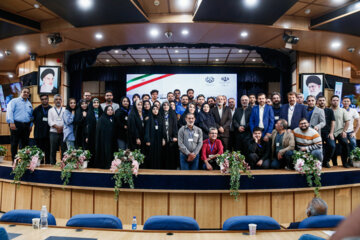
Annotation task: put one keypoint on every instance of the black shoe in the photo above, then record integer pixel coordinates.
(345, 165)
(326, 165)
(351, 164)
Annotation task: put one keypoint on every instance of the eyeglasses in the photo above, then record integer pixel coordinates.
(212, 133)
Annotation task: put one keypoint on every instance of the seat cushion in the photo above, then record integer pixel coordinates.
(25, 216)
(323, 221)
(310, 237)
(95, 221)
(171, 223)
(3, 234)
(242, 223)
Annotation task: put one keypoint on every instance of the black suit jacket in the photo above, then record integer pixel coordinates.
(224, 122)
(237, 119)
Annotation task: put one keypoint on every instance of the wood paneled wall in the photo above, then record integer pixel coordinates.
(209, 209)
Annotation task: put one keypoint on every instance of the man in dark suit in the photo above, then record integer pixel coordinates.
(223, 119)
(292, 112)
(241, 125)
(262, 116)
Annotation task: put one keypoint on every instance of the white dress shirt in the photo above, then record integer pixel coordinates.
(290, 113)
(55, 117)
(261, 116)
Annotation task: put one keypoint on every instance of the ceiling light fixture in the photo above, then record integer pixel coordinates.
(179, 60)
(85, 4)
(1, 55)
(36, 5)
(254, 60)
(11, 76)
(176, 51)
(217, 60)
(143, 60)
(107, 60)
(154, 32)
(183, 3)
(307, 11)
(244, 34)
(335, 44)
(21, 48)
(251, 3)
(185, 32)
(240, 51)
(116, 51)
(98, 36)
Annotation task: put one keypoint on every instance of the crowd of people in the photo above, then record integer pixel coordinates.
(187, 132)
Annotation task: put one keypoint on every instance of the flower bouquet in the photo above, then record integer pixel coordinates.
(355, 157)
(3, 151)
(233, 163)
(26, 158)
(125, 165)
(308, 165)
(73, 159)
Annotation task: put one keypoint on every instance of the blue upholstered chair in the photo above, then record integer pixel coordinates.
(171, 223)
(323, 221)
(25, 216)
(310, 237)
(94, 221)
(242, 223)
(3, 234)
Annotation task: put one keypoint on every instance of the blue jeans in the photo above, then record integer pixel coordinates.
(70, 144)
(185, 165)
(352, 141)
(318, 153)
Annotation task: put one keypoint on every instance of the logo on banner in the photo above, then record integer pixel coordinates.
(225, 81)
(209, 80)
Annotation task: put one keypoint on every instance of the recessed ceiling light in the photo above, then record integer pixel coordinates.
(179, 60)
(36, 5)
(338, 1)
(11, 76)
(254, 60)
(251, 3)
(85, 4)
(107, 60)
(154, 32)
(183, 3)
(1, 55)
(217, 60)
(98, 36)
(116, 51)
(244, 34)
(240, 51)
(143, 60)
(335, 44)
(185, 32)
(21, 48)
(176, 51)
(307, 11)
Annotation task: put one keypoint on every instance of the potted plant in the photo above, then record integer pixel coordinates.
(3, 152)
(73, 159)
(26, 158)
(233, 163)
(355, 157)
(125, 165)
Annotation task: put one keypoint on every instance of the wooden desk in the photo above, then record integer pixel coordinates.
(30, 234)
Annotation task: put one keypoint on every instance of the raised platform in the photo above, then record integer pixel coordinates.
(203, 195)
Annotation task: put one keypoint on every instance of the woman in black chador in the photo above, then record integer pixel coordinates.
(154, 139)
(121, 123)
(80, 125)
(105, 139)
(206, 120)
(136, 127)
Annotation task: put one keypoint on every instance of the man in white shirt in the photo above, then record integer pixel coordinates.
(56, 123)
(354, 116)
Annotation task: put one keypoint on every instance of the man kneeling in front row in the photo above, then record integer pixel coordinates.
(259, 151)
(211, 149)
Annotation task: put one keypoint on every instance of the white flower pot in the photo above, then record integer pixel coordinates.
(84, 165)
(356, 164)
(38, 163)
(2, 159)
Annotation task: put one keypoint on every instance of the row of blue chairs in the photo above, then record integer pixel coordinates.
(171, 222)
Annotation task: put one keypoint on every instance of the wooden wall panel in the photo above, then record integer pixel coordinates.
(105, 203)
(40, 197)
(182, 204)
(231, 207)
(355, 201)
(258, 204)
(130, 205)
(23, 197)
(60, 205)
(326, 65)
(1, 184)
(82, 202)
(207, 212)
(329, 197)
(155, 204)
(343, 201)
(8, 197)
(346, 71)
(306, 62)
(279, 201)
(338, 67)
(302, 200)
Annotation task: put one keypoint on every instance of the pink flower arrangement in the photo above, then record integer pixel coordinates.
(135, 168)
(115, 164)
(299, 165)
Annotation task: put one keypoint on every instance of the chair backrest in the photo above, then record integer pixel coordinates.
(171, 223)
(323, 221)
(310, 237)
(25, 216)
(242, 223)
(94, 221)
(3, 234)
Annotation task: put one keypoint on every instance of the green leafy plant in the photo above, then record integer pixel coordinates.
(125, 165)
(306, 164)
(72, 159)
(3, 151)
(233, 163)
(355, 155)
(26, 158)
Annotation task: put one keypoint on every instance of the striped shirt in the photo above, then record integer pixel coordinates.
(310, 139)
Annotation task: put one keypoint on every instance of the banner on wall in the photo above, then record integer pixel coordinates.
(207, 84)
(338, 89)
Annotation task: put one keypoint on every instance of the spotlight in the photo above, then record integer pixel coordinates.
(244, 34)
(168, 34)
(251, 3)
(20, 47)
(54, 39)
(290, 39)
(351, 49)
(85, 4)
(98, 36)
(7, 52)
(33, 56)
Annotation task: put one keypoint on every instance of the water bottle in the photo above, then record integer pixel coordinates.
(134, 224)
(43, 218)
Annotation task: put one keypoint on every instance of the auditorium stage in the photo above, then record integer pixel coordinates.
(203, 195)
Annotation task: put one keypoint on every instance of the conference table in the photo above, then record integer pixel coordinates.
(57, 233)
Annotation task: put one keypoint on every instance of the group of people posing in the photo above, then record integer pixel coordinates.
(182, 131)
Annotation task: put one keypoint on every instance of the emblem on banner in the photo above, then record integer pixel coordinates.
(225, 81)
(209, 80)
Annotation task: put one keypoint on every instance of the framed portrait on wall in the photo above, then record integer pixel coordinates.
(48, 79)
(312, 84)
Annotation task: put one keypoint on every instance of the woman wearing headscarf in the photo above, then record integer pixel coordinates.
(191, 108)
(121, 123)
(68, 117)
(170, 153)
(154, 139)
(206, 120)
(136, 127)
(105, 139)
(80, 125)
(146, 109)
(92, 118)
